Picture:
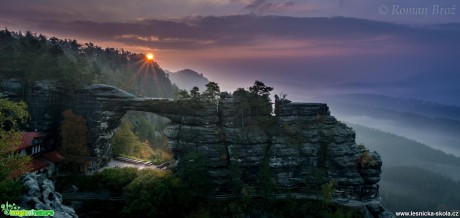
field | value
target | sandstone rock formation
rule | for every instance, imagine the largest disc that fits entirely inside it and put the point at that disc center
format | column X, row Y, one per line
column 301, row 145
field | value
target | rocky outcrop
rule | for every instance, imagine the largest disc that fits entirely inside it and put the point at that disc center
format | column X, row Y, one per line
column 301, row 147
column 41, row 195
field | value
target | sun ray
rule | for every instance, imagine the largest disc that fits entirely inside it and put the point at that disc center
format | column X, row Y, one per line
column 145, row 69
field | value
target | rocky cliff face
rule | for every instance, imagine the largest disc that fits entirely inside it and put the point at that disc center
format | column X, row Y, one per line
column 303, row 148
column 300, row 148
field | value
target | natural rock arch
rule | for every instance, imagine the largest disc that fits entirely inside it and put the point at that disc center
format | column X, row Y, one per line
column 322, row 143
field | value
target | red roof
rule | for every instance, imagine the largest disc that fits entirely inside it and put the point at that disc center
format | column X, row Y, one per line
column 54, row 156
column 38, row 165
column 27, row 138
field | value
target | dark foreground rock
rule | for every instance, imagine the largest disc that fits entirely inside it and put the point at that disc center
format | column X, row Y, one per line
column 41, row 195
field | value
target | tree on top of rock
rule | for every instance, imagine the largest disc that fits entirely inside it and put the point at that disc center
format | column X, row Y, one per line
column 212, row 92
column 260, row 98
column 182, row 95
column 261, row 90
column 195, row 93
column 242, row 96
column 256, row 102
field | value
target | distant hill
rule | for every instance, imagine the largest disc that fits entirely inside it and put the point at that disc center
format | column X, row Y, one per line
column 440, row 85
column 433, row 79
column 415, row 106
column 187, row 79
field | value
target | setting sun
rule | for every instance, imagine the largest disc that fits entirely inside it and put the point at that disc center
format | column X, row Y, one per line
column 149, row 56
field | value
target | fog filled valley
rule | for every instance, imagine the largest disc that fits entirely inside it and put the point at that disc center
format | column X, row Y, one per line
column 433, row 124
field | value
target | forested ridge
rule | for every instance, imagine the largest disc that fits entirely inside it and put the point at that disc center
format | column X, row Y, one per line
column 31, row 57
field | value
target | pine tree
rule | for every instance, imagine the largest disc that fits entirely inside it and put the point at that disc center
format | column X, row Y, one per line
column 212, row 92
column 183, row 95
column 242, row 96
column 195, row 93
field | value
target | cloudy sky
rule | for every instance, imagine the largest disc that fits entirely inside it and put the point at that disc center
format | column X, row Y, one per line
column 285, row 42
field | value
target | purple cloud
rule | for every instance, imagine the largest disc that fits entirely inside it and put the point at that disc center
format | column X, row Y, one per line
column 264, row 5
column 265, row 32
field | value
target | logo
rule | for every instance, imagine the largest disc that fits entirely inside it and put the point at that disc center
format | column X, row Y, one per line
column 14, row 210
column 383, row 9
